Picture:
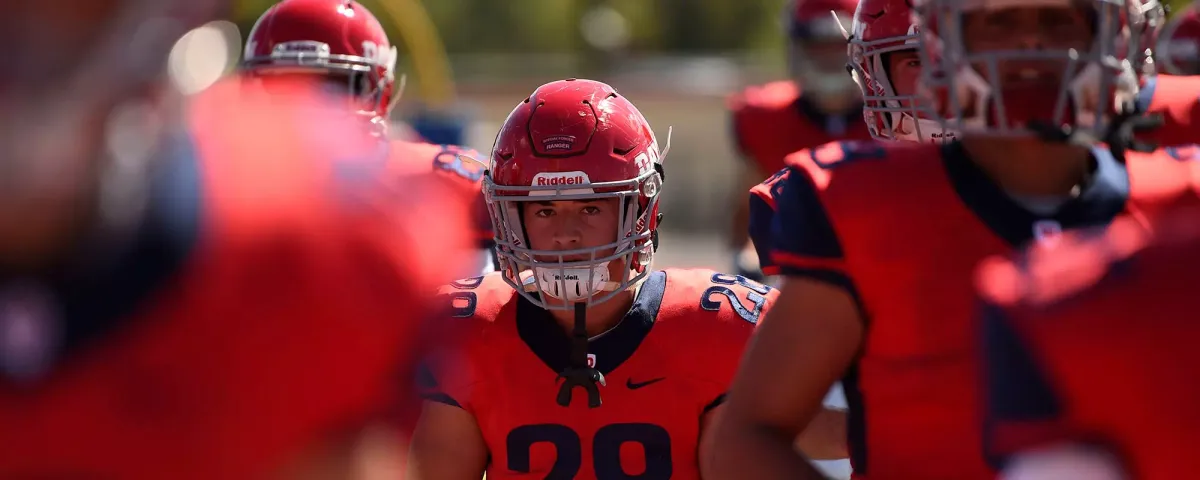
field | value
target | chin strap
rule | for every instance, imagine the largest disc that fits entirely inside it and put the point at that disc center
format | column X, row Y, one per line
column 579, row 374
column 1120, row 137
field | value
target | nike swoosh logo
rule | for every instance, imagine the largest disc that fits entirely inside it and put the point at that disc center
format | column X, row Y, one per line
column 634, row 386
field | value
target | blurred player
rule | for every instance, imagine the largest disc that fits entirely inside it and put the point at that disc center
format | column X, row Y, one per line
column 886, row 65
column 1086, row 342
column 208, row 297
column 343, row 45
column 1174, row 93
column 1178, row 49
column 818, row 105
column 642, row 356
column 1154, row 15
column 878, row 241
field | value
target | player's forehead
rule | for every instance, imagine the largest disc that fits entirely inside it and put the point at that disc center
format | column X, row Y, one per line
column 573, row 203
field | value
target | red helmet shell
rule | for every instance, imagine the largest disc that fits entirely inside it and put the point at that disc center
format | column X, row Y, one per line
column 574, row 126
column 570, row 140
column 1178, row 48
column 340, row 37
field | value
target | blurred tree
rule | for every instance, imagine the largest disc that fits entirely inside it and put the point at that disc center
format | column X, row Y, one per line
column 1176, row 5
column 552, row 26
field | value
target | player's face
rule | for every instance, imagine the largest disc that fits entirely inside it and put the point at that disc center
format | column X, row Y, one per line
column 1027, row 29
column 820, row 67
column 904, row 69
column 335, row 84
column 571, row 225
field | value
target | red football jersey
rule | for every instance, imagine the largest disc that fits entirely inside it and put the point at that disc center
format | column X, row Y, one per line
column 268, row 301
column 1177, row 99
column 1091, row 342
column 463, row 169
column 666, row 365
column 773, row 120
column 902, row 227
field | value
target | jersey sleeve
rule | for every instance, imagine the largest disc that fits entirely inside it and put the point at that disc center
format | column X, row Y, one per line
column 1022, row 409
column 1177, row 100
column 729, row 335
column 763, row 205
column 803, row 240
column 446, row 374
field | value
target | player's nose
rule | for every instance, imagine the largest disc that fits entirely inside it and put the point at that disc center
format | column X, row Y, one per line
column 567, row 238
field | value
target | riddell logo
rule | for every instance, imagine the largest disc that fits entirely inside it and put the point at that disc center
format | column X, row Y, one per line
column 560, row 178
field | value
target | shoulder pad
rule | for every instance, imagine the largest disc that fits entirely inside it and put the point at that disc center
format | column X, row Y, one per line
column 706, row 294
column 1049, row 272
column 877, row 159
column 458, row 163
column 479, row 298
column 770, row 96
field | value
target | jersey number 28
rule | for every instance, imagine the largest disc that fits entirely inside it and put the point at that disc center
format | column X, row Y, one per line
column 606, row 450
column 756, row 296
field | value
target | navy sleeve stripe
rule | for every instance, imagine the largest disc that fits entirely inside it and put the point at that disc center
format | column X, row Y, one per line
column 720, row 400
column 442, row 398
column 1022, row 407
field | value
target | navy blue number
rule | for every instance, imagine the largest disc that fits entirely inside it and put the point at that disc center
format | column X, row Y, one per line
column 568, row 450
column 606, row 450
column 756, row 295
column 467, row 283
column 462, row 304
column 655, row 441
column 1183, row 153
column 450, row 159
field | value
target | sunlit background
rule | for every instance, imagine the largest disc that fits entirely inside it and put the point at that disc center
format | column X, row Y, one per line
column 468, row 62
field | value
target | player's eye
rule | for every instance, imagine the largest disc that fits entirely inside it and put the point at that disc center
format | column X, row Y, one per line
column 543, row 212
column 591, row 210
column 913, row 63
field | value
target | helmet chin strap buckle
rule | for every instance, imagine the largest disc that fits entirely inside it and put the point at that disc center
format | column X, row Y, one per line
column 579, row 374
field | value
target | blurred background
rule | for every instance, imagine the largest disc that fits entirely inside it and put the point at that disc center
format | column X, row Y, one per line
column 468, row 62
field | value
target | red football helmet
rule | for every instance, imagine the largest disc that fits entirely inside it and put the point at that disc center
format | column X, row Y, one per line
column 575, row 140
column 880, row 28
column 338, row 39
column 816, row 50
column 1178, row 49
column 970, row 90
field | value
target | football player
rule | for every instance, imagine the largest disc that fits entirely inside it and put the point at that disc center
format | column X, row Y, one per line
column 642, row 356
column 343, row 45
column 878, row 241
column 819, row 104
column 1085, row 340
column 192, row 290
column 1172, row 93
column 1177, row 51
column 885, row 64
